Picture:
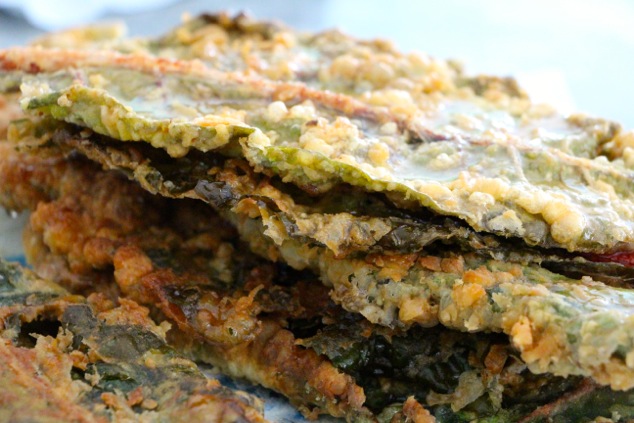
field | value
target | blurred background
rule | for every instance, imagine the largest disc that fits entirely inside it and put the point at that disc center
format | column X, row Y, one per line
column 576, row 55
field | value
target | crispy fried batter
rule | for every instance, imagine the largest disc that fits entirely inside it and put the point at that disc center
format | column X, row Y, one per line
column 28, row 179
column 365, row 115
column 319, row 139
column 68, row 358
column 453, row 288
column 237, row 323
column 274, row 360
column 169, row 258
column 9, row 110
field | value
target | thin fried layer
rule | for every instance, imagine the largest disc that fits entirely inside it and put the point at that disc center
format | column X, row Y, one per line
column 93, row 232
column 68, row 358
column 547, row 315
column 348, row 223
column 227, row 329
column 560, row 325
column 464, row 377
column 329, row 60
column 467, row 375
column 511, row 182
column 183, row 265
column 372, row 69
column 222, row 328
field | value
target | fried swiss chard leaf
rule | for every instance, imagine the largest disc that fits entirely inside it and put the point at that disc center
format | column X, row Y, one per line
column 561, row 325
column 327, row 60
column 68, row 358
column 461, row 377
column 457, row 376
column 181, row 261
column 347, row 222
column 516, row 185
column 243, row 45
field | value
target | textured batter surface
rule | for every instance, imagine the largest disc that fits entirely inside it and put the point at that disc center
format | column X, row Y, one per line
column 70, row 358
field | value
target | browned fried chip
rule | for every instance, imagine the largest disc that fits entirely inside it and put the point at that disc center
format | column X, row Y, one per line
column 65, row 357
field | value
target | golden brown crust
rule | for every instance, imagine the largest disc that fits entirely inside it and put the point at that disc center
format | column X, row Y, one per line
column 38, row 384
column 69, row 358
column 414, row 412
column 106, row 224
column 85, row 238
column 23, row 186
column 37, row 59
column 34, row 60
column 274, row 360
column 9, row 110
column 217, row 317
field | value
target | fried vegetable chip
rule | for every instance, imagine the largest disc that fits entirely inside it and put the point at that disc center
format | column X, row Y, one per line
column 283, row 128
column 547, row 315
column 415, row 244
column 70, row 358
column 463, row 377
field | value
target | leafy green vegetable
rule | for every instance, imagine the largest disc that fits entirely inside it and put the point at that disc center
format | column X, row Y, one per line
column 547, row 315
column 429, row 363
column 423, row 164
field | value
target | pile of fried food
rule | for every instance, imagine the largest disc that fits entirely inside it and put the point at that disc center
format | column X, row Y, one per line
column 374, row 235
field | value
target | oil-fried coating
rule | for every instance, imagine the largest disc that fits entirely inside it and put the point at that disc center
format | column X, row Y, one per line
column 546, row 314
column 329, row 60
column 184, row 266
column 222, row 328
column 318, row 139
column 139, row 277
column 98, row 222
column 360, row 351
column 170, row 272
column 68, row 358
column 347, row 222
column 463, row 377
column 9, row 110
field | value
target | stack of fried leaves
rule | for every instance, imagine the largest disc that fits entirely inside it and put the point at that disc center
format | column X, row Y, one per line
column 374, row 235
